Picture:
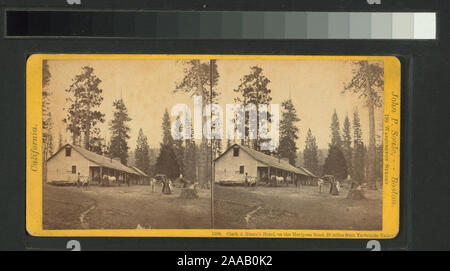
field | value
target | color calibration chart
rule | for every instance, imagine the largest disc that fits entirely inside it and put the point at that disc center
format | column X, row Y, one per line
column 222, row 25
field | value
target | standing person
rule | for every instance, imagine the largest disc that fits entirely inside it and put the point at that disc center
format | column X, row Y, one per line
column 166, row 187
column 78, row 180
column 333, row 189
column 246, row 179
column 183, row 181
column 320, row 184
column 152, row 184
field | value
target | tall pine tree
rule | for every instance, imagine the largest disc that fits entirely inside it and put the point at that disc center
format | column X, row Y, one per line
column 254, row 89
column 119, row 132
column 335, row 162
column 288, row 132
column 189, row 157
column 311, row 154
column 336, row 139
column 60, row 140
column 47, row 122
column 142, row 153
column 96, row 141
column 359, row 155
column 82, row 116
column 179, row 148
column 347, row 144
column 190, row 160
column 367, row 82
column 166, row 162
column 201, row 79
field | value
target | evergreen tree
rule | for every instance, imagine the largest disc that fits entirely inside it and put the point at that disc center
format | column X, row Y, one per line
column 288, row 132
column 167, row 134
column 209, row 163
column 46, row 115
column 119, row 132
column 336, row 139
column 190, row 158
column 60, row 140
column 216, row 142
column 179, row 149
column 50, row 143
column 142, row 153
column 347, row 144
column 335, row 163
column 201, row 79
column 167, row 161
column 359, row 151
column 96, row 142
column 310, row 154
column 216, row 148
column 47, row 121
column 153, row 155
column 254, row 89
column 81, row 114
column 367, row 82
column 379, row 163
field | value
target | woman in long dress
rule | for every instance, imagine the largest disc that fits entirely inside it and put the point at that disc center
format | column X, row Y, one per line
column 166, row 187
column 333, row 188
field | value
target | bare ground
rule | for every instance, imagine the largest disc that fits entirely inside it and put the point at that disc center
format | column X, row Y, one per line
column 235, row 207
column 294, row 208
column 94, row 207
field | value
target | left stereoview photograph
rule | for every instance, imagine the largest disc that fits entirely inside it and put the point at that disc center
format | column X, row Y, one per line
column 109, row 158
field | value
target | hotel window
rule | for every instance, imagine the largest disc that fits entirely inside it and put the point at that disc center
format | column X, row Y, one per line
column 241, row 170
column 236, row 152
column 74, row 169
column 68, row 151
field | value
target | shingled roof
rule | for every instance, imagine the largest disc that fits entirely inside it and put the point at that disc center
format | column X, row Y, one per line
column 270, row 160
column 309, row 172
column 139, row 171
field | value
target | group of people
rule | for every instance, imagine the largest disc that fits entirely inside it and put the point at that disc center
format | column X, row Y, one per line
column 167, row 187
column 335, row 186
column 189, row 190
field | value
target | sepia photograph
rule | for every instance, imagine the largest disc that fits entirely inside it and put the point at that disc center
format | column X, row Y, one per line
column 248, row 143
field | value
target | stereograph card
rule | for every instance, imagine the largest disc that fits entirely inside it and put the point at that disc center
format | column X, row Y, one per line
column 254, row 146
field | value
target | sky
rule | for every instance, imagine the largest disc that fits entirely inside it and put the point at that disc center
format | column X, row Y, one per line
column 146, row 86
